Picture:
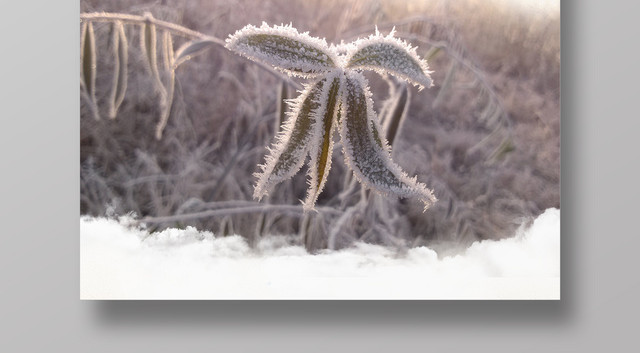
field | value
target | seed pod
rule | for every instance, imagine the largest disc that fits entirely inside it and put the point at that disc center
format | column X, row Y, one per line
column 89, row 66
column 166, row 104
column 149, row 50
column 121, row 59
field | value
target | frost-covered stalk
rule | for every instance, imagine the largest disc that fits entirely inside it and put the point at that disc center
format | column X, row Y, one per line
column 337, row 99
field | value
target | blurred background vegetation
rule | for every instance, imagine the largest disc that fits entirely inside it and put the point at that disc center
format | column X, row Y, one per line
column 486, row 137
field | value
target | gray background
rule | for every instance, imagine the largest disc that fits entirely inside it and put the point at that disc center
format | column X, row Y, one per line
column 40, row 246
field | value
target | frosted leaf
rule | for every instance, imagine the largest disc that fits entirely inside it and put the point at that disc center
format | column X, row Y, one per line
column 292, row 143
column 366, row 151
column 391, row 55
column 284, row 48
column 322, row 141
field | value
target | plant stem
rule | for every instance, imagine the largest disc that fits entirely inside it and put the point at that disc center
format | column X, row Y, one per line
column 231, row 211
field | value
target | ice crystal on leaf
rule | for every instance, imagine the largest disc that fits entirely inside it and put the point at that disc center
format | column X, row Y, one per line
column 337, row 99
column 292, row 144
column 366, row 152
column 284, row 48
column 389, row 55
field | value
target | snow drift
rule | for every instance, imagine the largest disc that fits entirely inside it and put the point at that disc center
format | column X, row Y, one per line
column 118, row 262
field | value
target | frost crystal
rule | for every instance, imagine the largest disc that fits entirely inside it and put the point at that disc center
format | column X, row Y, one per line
column 338, row 99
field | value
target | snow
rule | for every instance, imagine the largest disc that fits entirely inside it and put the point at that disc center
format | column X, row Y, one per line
column 120, row 262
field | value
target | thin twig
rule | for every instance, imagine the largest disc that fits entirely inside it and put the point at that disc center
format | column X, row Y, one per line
column 134, row 19
column 297, row 209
